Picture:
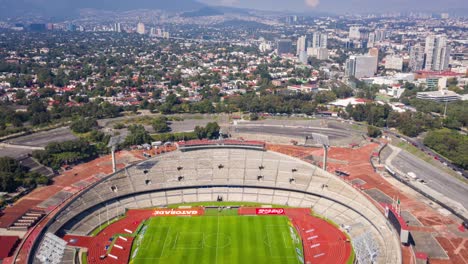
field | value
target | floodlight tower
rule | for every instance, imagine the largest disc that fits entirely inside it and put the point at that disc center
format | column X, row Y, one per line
column 322, row 140
column 113, row 142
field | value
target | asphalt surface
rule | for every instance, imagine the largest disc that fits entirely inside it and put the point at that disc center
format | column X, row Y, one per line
column 291, row 131
column 41, row 139
column 435, row 178
column 430, row 152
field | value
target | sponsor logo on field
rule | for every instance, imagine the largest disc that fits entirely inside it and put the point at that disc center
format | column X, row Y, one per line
column 269, row 211
column 176, row 212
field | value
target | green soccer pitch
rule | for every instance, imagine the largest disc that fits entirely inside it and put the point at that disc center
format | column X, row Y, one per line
column 217, row 240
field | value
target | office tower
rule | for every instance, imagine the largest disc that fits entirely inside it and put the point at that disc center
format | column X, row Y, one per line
column 361, row 66
column 374, row 52
column 354, row 32
column 301, row 45
column 303, row 57
column 380, row 35
column 371, row 40
column 444, row 15
column 141, row 28
column 416, row 62
column 436, row 53
column 117, row 27
column 319, row 40
column 284, row 46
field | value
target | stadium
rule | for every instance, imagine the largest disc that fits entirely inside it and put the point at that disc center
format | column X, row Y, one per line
column 218, row 202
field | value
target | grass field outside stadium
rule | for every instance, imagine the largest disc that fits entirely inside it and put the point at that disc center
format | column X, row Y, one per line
column 217, row 238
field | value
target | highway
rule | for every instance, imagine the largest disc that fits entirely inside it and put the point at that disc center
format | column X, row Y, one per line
column 433, row 177
column 430, row 152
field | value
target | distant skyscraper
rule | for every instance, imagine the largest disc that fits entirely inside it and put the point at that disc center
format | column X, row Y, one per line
column 444, row 15
column 117, row 27
column 141, row 28
column 361, row 66
column 303, row 57
column 374, row 52
column 301, row 45
column 416, row 62
column 371, row 40
column 284, row 46
column 436, row 53
column 354, row 32
column 380, row 35
column 319, row 40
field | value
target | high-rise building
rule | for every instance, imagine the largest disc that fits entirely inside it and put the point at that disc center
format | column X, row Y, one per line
column 303, row 57
column 374, row 52
column 301, row 45
column 436, row 53
column 283, row 46
column 141, row 28
column 319, row 40
column 354, row 32
column 444, row 15
column 117, row 27
column 380, row 35
column 371, row 40
column 319, row 53
column 361, row 66
column 416, row 61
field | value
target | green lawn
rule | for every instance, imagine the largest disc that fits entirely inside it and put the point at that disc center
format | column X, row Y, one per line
column 217, row 240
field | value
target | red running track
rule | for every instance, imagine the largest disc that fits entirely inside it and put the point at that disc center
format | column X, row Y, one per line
column 322, row 242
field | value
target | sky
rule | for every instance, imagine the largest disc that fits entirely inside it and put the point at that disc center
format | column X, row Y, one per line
column 344, row 6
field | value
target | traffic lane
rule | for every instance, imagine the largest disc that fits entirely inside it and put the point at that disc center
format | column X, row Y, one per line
column 290, row 131
column 435, row 178
column 426, row 149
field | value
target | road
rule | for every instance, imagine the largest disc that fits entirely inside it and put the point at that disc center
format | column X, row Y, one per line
column 430, row 152
column 435, row 178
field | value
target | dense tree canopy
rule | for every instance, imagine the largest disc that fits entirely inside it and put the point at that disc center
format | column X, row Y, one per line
column 57, row 154
column 13, row 175
column 450, row 144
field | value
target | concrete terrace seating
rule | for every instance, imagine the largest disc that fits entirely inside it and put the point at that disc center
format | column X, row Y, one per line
column 176, row 177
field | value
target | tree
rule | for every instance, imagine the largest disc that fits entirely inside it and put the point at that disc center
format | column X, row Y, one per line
column 212, row 130
column 138, row 136
column 160, row 125
column 253, row 117
column 373, row 131
column 83, row 125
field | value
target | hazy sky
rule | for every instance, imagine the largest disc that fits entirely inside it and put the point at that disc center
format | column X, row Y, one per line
column 342, row 6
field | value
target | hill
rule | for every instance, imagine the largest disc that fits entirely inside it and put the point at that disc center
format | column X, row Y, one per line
column 69, row 8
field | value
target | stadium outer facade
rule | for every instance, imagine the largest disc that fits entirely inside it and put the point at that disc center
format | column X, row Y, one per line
column 230, row 171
